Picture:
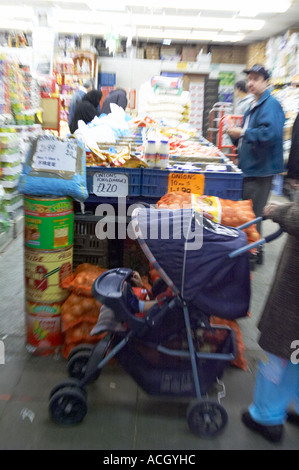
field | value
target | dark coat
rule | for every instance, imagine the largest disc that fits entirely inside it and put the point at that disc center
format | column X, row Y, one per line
column 86, row 109
column 118, row 97
column 293, row 162
column 279, row 324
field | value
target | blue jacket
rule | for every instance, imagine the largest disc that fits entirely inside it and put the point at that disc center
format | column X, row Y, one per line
column 261, row 151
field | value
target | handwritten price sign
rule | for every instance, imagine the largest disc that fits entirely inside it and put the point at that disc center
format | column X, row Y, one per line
column 54, row 155
column 110, row 185
column 186, row 182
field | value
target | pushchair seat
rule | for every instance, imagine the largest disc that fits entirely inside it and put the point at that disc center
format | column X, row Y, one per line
column 111, row 288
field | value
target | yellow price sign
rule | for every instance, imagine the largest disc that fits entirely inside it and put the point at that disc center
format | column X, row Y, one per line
column 186, row 182
column 181, row 65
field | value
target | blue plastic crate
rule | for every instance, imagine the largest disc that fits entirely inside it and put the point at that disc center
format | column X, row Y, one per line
column 107, row 79
column 226, row 185
column 155, row 181
column 134, row 180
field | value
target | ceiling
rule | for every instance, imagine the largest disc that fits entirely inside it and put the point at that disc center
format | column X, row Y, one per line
column 213, row 21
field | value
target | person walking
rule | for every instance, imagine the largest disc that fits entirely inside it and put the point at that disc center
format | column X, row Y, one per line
column 277, row 382
column 86, row 109
column 293, row 161
column 260, row 140
column 77, row 96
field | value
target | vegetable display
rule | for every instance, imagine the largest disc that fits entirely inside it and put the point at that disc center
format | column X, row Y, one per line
column 224, row 211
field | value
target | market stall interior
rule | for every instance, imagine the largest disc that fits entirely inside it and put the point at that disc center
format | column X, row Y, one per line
column 124, row 193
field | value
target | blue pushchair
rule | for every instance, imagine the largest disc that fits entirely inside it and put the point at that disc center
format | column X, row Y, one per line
column 173, row 350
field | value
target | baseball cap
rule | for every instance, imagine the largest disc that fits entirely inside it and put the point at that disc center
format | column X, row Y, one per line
column 256, row 68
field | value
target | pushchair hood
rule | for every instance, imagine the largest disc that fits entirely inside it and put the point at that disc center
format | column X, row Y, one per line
column 191, row 253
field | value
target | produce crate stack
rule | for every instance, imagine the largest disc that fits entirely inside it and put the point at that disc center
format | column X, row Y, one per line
column 48, row 261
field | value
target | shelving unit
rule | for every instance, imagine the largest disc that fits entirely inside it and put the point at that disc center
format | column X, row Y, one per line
column 70, row 72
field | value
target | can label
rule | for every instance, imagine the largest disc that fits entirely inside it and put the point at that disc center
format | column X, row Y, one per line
column 43, row 334
column 44, row 310
column 49, row 223
column 44, row 274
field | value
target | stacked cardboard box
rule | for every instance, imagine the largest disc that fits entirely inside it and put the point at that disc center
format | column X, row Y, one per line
column 152, row 52
column 256, row 54
column 170, row 53
column 239, row 54
column 140, row 53
column 189, row 54
column 221, row 55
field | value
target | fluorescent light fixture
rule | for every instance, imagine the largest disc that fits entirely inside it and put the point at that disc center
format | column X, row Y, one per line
column 229, row 37
column 162, row 21
column 13, row 12
column 112, row 5
column 176, row 34
column 266, row 6
column 198, row 22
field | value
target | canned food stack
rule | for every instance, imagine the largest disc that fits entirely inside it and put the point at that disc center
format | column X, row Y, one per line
column 48, row 261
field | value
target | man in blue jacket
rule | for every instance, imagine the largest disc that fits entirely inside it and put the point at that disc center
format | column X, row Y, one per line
column 260, row 140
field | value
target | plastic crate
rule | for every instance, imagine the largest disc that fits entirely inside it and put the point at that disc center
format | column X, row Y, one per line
column 87, row 248
column 107, row 79
column 226, row 185
column 155, row 181
column 134, row 180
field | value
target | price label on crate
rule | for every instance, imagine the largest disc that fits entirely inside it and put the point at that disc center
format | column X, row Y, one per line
column 54, row 155
column 186, row 182
column 110, row 185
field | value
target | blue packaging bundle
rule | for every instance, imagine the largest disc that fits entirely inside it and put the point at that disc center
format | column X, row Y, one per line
column 55, row 167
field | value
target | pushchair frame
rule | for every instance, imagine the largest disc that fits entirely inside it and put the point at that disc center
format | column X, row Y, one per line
column 205, row 418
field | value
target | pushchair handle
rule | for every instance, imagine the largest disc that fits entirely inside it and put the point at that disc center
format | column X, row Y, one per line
column 262, row 241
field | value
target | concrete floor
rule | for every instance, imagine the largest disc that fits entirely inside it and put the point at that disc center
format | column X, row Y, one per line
column 120, row 415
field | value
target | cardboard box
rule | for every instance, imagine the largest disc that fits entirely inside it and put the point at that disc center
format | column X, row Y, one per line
column 256, row 54
column 189, row 54
column 140, row 53
column 152, row 52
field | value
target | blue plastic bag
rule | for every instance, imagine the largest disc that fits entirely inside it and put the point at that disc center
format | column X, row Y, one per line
column 55, row 167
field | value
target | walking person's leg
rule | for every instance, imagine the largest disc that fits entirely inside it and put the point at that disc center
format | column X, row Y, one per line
column 276, row 387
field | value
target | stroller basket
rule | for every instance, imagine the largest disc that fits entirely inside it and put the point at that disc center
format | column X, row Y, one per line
column 164, row 371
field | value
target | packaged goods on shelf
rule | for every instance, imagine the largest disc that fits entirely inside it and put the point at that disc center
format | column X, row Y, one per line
column 19, row 92
column 163, row 98
column 5, row 221
column 282, row 57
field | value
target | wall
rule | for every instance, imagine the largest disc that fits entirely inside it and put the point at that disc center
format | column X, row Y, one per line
column 132, row 73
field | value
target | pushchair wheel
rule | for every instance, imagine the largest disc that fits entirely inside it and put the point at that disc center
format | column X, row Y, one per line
column 84, row 347
column 85, row 362
column 206, row 418
column 69, row 383
column 78, row 363
column 68, row 405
